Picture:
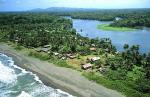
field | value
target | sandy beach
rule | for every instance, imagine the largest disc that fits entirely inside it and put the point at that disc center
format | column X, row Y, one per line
column 66, row 79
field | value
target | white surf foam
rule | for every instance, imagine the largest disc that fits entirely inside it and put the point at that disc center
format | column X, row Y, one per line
column 62, row 92
column 23, row 71
column 37, row 78
column 24, row 94
column 7, row 75
column 46, row 91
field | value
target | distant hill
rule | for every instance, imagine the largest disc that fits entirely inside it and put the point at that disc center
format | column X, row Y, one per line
column 62, row 9
column 65, row 9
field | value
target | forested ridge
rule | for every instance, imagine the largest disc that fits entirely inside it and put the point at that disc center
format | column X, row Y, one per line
column 133, row 18
column 128, row 71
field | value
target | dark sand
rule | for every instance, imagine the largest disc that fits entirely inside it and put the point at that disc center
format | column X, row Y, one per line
column 68, row 80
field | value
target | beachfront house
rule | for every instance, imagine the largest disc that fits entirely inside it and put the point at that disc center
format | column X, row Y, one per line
column 71, row 56
column 46, row 50
column 47, row 46
column 103, row 69
column 93, row 59
column 55, row 53
column 86, row 66
column 93, row 49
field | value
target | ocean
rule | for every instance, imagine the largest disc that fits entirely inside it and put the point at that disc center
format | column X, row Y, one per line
column 17, row 82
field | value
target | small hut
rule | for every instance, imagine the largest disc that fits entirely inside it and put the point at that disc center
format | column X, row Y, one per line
column 47, row 46
column 93, row 45
column 103, row 69
column 92, row 49
column 93, row 59
column 71, row 56
column 55, row 53
column 86, row 66
column 38, row 49
column 46, row 50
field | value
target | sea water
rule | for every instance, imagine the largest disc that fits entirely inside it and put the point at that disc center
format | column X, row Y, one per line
column 17, row 82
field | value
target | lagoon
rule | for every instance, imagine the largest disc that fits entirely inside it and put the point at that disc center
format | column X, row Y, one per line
column 88, row 28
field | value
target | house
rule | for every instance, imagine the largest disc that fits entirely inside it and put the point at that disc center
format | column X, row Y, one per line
column 93, row 45
column 47, row 31
column 55, row 53
column 16, row 40
column 117, row 52
column 92, row 49
column 107, row 50
column 103, row 69
column 49, row 52
column 71, row 56
column 38, row 49
column 93, row 59
column 86, row 66
column 68, row 55
column 63, row 58
column 47, row 46
column 45, row 50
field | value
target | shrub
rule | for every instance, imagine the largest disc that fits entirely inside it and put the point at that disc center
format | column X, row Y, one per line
column 119, row 85
column 18, row 47
column 41, row 56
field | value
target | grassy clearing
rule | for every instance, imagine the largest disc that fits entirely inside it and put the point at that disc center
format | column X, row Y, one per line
column 74, row 62
column 41, row 56
column 107, row 27
column 78, row 61
column 83, row 60
column 119, row 85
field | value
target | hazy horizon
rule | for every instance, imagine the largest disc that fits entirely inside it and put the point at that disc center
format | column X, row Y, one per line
column 23, row 5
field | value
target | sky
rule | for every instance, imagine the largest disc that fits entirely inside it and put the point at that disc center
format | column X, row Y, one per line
column 22, row 5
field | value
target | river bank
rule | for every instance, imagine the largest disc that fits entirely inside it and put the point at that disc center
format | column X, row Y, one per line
column 65, row 79
column 107, row 27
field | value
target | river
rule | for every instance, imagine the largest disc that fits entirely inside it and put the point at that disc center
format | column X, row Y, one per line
column 138, row 37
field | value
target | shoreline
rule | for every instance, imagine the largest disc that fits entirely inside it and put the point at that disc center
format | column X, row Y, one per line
column 43, row 78
column 65, row 79
column 46, row 81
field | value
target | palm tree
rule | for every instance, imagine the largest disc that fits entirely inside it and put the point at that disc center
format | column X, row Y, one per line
column 126, row 46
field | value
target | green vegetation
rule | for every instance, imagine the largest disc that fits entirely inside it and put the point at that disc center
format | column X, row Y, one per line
column 41, row 56
column 127, row 71
column 111, row 28
column 18, row 47
column 132, row 18
column 120, row 85
column 36, row 30
column 51, row 59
